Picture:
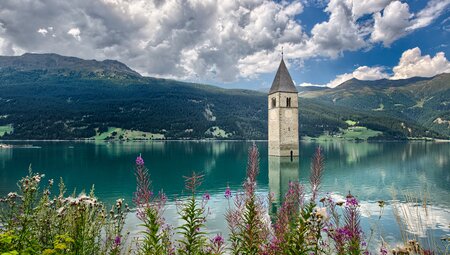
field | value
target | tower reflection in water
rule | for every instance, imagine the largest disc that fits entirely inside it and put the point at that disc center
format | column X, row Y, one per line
column 282, row 170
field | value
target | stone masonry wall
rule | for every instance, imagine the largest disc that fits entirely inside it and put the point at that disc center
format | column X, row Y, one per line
column 283, row 125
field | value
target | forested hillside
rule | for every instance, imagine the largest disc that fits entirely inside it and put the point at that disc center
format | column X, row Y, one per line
column 47, row 96
column 423, row 102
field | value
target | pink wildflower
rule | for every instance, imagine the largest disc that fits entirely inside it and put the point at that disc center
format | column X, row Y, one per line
column 351, row 201
column 288, row 212
column 117, row 241
column 228, row 192
column 143, row 194
column 218, row 240
column 316, row 172
column 139, row 161
column 252, row 170
column 192, row 182
column 383, row 250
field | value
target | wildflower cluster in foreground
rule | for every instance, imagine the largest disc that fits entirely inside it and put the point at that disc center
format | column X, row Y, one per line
column 36, row 222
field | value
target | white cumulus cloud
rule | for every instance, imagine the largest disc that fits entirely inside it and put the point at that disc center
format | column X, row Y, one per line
column 75, row 32
column 362, row 7
column 366, row 73
column 220, row 40
column 210, row 39
column 339, row 33
column 395, row 21
column 392, row 23
column 42, row 31
column 413, row 64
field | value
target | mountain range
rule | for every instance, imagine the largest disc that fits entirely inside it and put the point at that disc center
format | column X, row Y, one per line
column 48, row 96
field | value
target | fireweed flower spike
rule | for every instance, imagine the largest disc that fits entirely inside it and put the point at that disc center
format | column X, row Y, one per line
column 228, row 192
column 247, row 222
column 352, row 224
column 383, row 249
column 288, row 212
column 216, row 246
column 348, row 239
column 156, row 236
column 143, row 194
column 315, row 178
column 117, row 241
column 351, row 200
column 193, row 182
column 139, row 161
column 218, row 239
column 252, row 170
column 193, row 214
column 305, row 232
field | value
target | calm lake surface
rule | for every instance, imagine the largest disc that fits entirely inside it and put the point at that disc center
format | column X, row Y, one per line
column 371, row 171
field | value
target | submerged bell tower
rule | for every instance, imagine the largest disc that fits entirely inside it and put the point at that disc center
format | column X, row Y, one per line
column 283, row 115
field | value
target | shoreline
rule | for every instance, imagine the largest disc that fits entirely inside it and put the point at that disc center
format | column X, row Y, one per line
column 308, row 139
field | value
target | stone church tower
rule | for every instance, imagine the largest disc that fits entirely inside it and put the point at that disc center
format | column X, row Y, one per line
column 283, row 115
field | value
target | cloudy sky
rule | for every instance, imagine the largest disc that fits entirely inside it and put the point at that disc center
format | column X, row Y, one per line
column 234, row 43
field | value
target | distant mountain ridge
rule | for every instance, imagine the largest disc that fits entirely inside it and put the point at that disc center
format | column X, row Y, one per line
column 424, row 101
column 48, row 96
column 57, row 64
column 381, row 83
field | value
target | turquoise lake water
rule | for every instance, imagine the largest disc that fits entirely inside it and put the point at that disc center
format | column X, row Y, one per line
column 371, row 171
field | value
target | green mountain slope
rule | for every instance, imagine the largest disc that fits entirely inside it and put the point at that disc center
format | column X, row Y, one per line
column 47, row 96
column 76, row 98
column 424, row 102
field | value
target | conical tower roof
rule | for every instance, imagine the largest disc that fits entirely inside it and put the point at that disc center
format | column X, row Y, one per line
column 283, row 81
